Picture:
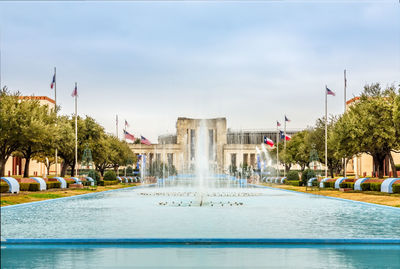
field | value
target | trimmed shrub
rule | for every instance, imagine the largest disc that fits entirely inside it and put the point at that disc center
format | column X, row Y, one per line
column 347, row 185
column 29, row 186
column 366, row 186
column 396, row 188
column 306, row 175
column 293, row 182
column 4, row 187
column 94, row 174
column 53, row 185
column 107, row 182
column 293, row 175
column 110, row 176
column 376, row 186
column 329, row 184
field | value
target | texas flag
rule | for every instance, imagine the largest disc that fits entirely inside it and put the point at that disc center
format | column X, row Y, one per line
column 268, row 141
column 287, row 137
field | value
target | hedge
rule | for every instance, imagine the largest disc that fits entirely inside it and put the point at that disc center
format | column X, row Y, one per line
column 396, row 188
column 107, row 182
column 110, row 176
column 94, row 174
column 29, row 186
column 4, row 187
column 53, row 185
column 293, row 182
column 293, row 175
column 329, row 184
column 347, row 185
column 376, row 186
column 69, row 182
column 366, row 186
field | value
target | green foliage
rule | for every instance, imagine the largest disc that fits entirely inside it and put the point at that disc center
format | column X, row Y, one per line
column 29, row 186
column 129, row 171
column 94, row 174
column 306, row 175
column 329, row 184
column 293, row 182
column 366, row 186
column 108, row 182
column 347, row 185
column 110, row 176
column 45, row 195
column 396, row 188
column 4, row 187
column 376, row 186
column 293, row 175
column 53, row 184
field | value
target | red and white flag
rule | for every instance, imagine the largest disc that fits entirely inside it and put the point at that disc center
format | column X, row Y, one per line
column 268, row 141
column 75, row 91
column 143, row 140
column 129, row 136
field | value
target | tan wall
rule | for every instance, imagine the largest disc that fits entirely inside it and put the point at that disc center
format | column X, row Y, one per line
column 363, row 164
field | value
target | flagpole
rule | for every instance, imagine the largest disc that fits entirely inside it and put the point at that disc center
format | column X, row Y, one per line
column 116, row 124
column 326, row 132
column 345, row 89
column 284, row 141
column 277, row 150
column 76, row 130
column 55, row 103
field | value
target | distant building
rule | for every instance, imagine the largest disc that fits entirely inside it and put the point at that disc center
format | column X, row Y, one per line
column 225, row 146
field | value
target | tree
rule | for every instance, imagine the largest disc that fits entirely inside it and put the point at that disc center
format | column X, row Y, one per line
column 371, row 126
column 65, row 142
column 11, row 118
column 37, row 131
column 298, row 149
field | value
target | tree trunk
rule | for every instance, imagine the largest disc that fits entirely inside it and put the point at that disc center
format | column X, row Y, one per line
column 378, row 164
column 392, row 164
column 26, row 170
column 63, row 169
column 3, row 166
column 73, row 169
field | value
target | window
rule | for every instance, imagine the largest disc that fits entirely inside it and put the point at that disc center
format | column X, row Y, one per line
column 211, row 144
column 233, row 159
column 192, row 144
column 170, row 157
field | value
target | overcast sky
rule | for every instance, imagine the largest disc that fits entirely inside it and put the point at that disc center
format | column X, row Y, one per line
column 151, row 62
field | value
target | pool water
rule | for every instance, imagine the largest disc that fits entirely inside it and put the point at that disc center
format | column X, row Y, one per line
column 174, row 212
column 120, row 256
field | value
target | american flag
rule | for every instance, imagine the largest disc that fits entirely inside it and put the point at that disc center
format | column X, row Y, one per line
column 278, row 123
column 75, row 91
column 126, row 124
column 286, row 119
column 53, row 81
column 329, row 92
column 129, row 136
column 143, row 140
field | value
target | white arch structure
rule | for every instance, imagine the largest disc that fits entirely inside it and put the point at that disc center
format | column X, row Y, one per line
column 41, row 182
column 387, row 184
column 310, row 181
column 321, row 184
column 338, row 181
column 283, row 180
column 77, row 180
column 357, row 184
column 62, row 181
column 91, row 180
column 13, row 185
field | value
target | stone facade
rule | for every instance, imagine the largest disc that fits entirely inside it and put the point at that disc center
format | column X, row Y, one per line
column 225, row 147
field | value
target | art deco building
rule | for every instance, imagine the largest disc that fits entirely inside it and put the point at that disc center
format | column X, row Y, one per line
column 224, row 146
